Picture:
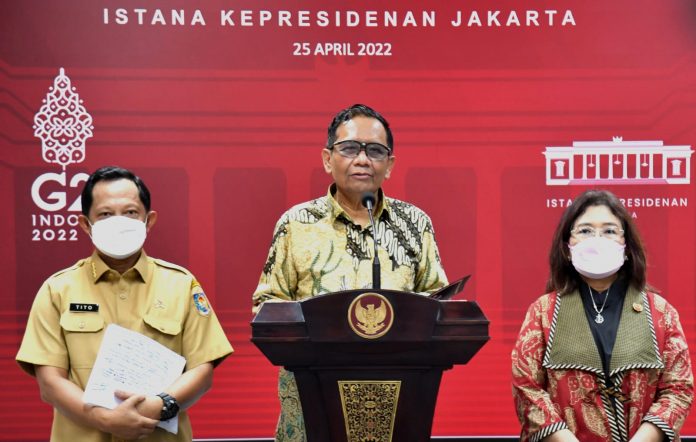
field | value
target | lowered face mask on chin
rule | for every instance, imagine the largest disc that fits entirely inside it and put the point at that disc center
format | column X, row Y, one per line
column 119, row 236
column 597, row 257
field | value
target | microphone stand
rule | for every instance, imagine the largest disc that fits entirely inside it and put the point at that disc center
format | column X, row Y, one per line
column 368, row 200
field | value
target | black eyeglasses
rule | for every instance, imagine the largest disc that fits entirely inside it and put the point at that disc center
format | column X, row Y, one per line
column 352, row 148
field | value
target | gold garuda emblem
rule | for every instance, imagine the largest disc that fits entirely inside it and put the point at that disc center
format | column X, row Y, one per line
column 370, row 315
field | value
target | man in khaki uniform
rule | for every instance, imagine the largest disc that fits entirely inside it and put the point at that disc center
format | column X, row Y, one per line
column 119, row 284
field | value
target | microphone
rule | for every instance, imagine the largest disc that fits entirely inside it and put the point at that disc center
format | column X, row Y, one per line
column 368, row 200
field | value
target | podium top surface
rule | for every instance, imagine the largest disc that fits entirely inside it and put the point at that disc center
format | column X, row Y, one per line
column 377, row 324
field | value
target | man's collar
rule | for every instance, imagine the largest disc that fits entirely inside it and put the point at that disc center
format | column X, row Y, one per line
column 336, row 210
column 98, row 267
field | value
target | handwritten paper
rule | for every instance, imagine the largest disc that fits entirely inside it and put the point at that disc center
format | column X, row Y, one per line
column 132, row 362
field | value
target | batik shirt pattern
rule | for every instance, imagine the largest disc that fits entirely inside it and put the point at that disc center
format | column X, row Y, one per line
column 317, row 249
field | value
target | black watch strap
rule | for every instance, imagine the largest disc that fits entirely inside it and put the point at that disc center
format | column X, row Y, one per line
column 170, row 407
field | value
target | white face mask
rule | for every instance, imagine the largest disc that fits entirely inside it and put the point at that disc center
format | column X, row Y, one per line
column 119, row 236
column 597, row 257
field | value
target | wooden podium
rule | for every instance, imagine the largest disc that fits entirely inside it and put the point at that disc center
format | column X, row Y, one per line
column 368, row 363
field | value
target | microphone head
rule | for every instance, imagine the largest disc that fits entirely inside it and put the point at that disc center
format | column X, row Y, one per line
column 368, row 199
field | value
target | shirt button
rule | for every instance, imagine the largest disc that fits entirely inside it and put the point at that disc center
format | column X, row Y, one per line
column 122, row 296
column 82, row 324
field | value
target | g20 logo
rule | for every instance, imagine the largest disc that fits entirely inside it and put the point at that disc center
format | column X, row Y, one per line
column 54, row 201
column 54, row 193
column 63, row 126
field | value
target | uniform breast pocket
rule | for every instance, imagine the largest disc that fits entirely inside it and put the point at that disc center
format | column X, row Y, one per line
column 83, row 335
column 167, row 331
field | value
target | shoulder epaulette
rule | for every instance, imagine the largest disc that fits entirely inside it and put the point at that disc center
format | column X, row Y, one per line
column 75, row 266
column 169, row 265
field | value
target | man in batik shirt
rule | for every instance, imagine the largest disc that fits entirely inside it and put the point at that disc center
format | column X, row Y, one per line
column 326, row 245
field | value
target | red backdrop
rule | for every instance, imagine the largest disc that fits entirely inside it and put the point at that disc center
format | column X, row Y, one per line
column 225, row 125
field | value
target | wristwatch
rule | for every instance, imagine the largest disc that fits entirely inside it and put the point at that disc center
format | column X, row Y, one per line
column 170, row 407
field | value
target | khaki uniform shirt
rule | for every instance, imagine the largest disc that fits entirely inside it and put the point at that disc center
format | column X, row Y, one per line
column 317, row 249
column 157, row 299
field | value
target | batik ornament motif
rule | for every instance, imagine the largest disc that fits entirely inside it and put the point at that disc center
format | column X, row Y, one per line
column 63, row 124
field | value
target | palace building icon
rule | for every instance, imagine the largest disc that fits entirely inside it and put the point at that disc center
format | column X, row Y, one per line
column 617, row 162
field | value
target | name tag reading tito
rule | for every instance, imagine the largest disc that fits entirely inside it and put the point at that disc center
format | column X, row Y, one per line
column 79, row 307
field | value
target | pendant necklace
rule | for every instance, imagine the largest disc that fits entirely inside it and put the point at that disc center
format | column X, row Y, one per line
column 599, row 318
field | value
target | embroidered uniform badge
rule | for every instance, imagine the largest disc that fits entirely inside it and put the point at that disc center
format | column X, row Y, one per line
column 201, row 303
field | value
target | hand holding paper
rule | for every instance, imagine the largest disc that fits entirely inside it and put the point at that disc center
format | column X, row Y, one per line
column 134, row 363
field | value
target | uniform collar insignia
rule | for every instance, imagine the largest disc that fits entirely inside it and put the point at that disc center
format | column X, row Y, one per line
column 98, row 267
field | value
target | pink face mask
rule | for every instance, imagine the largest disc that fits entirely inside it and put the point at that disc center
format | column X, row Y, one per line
column 597, row 257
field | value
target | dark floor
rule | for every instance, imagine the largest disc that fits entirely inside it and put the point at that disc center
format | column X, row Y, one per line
column 434, row 439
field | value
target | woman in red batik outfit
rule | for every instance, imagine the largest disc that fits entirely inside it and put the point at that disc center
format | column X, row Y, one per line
column 600, row 357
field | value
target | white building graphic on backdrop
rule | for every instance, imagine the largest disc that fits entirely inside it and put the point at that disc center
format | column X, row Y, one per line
column 607, row 162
